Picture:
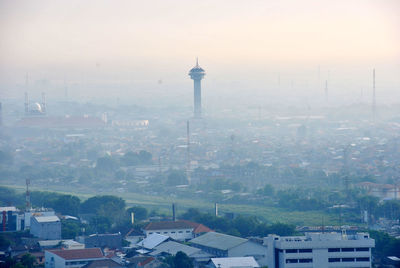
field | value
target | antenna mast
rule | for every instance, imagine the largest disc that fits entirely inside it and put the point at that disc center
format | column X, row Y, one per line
column 188, row 152
column 373, row 96
column 28, row 195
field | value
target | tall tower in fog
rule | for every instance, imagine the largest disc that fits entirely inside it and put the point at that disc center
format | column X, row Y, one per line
column 197, row 73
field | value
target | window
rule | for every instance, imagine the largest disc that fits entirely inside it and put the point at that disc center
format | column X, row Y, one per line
column 187, row 231
column 157, row 232
column 305, row 260
column 172, row 232
column 150, row 232
column 165, row 232
column 292, row 260
column 362, row 259
column 291, row 251
column 347, row 259
column 333, row 249
column 180, row 232
column 362, row 249
column 334, row 259
column 305, row 250
column 347, row 249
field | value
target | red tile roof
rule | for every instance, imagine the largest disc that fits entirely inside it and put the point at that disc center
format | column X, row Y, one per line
column 73, row 254
column 146, row 261
column 198, row 227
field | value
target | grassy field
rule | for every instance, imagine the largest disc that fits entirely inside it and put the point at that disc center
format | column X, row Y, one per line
column 162, row 204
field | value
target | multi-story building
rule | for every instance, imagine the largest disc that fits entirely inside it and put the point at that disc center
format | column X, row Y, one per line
column 319, row 250
column 46, row 227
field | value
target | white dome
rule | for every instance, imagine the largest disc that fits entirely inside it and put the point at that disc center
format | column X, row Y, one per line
column 36, row 107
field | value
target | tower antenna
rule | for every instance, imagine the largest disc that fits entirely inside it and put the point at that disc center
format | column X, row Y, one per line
column 373, row 96
column 188, row 152
column 326, row 90
column 28, row 195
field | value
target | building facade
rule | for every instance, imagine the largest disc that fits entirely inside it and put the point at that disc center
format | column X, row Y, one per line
column 319, row 250
column 46, row 227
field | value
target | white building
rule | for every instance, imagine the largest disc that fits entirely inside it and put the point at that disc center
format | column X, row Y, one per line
column 319, row 250
column 46, row 227
column 177, row 230
column 72, row 258
column 36, row 212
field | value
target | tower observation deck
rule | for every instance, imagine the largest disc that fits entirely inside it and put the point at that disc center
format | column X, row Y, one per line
column 197, row 73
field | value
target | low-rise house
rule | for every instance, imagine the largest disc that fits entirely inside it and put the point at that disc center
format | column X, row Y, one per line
column 103, row 240
column 46, row 227
column 72, row 258
column 248, row 262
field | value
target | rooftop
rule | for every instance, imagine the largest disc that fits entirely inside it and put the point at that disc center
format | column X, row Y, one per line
column 234, row 262
column 218, row 241
column 152, row 241
column 47, row 218
column 76, row 254
column 172, row 248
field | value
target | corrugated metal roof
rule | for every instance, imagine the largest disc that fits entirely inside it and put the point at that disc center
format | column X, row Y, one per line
column 152, row 241
column 235, row 262
column 172, row 248
column 47, row 218
column 218, row 241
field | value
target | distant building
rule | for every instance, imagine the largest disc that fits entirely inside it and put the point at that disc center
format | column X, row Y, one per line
column 103, row 240
column 10, row 219
column 319, row 250
column 382, row 191
column 36, row 212
column 222, row 245
column 75, row 258
column 46, row 227
column 178, row 230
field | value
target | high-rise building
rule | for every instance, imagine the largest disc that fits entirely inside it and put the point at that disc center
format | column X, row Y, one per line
column 197, row 73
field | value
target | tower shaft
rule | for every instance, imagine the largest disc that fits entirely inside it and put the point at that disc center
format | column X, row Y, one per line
column 197, row 98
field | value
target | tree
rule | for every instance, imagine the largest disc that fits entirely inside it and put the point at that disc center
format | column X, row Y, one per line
column 177, row 177
column 69, row 229
column 268, row 190
column 130, row 159
column 67, row 205
column 106, row 164
column 145, row 157
column 180, row 260
column 140, row 213
column 28, row 260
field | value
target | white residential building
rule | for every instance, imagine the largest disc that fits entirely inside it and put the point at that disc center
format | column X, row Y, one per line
column 319, row 250
column 46, row 227
column 71, row 258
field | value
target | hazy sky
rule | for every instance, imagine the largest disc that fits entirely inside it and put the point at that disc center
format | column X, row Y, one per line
column 249, row 42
